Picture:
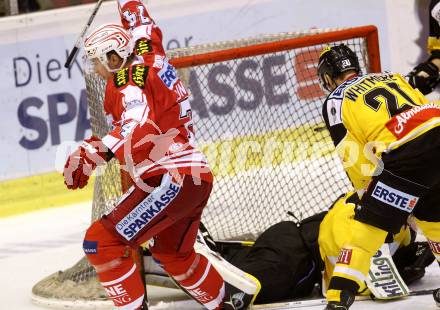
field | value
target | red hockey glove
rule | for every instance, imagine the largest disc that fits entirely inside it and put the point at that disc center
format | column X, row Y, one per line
column 81, row 163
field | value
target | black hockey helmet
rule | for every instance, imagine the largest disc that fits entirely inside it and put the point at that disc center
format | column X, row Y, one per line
column 335, row 60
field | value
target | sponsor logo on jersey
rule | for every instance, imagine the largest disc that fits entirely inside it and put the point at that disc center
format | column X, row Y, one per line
column 344, row 256
column 403, row 123
column 118, row 294
column 143, row 47
column 334, row 111
column 158, row 61
column 121, row 77
column 200, row 295
column 147, row 210
column 435, row 247
column 139, row 75
column 90, row 247
column 168, row 75
column 393, row 197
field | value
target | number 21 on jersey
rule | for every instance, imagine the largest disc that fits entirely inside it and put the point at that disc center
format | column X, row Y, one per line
column 387, row 95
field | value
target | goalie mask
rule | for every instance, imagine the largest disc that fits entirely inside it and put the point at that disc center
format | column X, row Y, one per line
column 107, row 38
column 335, row 60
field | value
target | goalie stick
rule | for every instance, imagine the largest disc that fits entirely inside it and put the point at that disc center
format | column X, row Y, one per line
column 322, row 302
column 75, row 48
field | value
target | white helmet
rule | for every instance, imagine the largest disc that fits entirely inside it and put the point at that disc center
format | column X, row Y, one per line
column 106, row 38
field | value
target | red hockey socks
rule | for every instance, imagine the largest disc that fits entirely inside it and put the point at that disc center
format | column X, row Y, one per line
column 198, row 277
column 116, row 268
column 125, row 289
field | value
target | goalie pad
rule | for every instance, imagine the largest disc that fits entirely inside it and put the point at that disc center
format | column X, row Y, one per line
column 241, row 288
column 231, row 274
column 384, row 280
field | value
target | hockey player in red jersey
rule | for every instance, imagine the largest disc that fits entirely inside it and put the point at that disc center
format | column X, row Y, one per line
column 153, row 139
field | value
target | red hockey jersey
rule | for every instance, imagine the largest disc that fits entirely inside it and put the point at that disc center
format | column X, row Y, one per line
column 149, row 108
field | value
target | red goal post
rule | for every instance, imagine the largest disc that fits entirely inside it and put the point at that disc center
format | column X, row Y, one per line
column 370, row 33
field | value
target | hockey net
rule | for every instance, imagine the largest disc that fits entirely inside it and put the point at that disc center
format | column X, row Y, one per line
column 257, row 112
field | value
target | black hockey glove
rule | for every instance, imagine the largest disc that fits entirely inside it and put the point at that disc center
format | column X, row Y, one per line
column 417, row 77
column 412, row 260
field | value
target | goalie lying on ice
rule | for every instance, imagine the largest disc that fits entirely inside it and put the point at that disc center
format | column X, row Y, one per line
column 290, row 259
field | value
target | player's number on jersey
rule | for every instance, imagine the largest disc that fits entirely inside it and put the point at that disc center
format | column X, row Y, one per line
column 379, row 95
column 132, row 18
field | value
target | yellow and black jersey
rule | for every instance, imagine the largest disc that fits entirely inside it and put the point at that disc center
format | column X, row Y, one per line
column 369, row 114
column 335, row 231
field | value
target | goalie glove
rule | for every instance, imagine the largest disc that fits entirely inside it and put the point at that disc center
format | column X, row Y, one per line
column 425, row 77
column 81, row 163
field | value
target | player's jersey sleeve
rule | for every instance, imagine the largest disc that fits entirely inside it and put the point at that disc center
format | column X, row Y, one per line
column 133, row 14
column 146, row 34
column 434, row 29
column 348, row 147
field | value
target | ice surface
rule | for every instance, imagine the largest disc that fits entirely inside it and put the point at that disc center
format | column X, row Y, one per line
column 34, row 245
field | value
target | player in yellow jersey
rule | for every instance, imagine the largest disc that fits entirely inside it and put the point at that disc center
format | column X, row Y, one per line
column 388, row 137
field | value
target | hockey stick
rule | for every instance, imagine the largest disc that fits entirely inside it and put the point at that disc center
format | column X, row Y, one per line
column 322, row 302
column 75, row 48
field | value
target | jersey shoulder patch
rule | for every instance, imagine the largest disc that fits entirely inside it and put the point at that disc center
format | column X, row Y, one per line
column 332, row 111
column 121, row 78
column 143, row 46
column 139, row 75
